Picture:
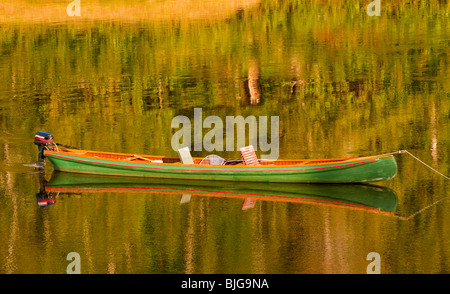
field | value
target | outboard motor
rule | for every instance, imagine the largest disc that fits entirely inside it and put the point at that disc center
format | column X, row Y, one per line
column 44, row 141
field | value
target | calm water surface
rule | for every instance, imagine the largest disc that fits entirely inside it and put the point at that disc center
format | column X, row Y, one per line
column 342, row 83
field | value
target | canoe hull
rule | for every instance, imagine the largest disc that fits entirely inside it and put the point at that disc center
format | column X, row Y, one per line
column 360, row 170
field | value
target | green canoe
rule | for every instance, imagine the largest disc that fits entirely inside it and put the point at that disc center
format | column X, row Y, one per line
column 343, row 170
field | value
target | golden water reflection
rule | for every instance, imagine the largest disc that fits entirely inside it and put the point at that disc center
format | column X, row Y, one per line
column 343, row 84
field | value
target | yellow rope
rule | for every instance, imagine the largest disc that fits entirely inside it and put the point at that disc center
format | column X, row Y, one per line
column 428, row 206
column 406, row 151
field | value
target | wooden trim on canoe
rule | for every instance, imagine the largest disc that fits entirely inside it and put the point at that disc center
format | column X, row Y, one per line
column 175, row 161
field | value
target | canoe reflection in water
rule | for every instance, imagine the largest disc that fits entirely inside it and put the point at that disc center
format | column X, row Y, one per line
column 353, row 196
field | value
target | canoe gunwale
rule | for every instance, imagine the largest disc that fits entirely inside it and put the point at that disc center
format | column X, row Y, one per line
column 266, row 164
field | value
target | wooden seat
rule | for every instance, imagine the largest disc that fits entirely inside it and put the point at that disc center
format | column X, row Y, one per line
column 137, row 157
column 249, row 156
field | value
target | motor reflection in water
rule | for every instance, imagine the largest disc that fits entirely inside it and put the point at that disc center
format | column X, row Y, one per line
column 45, row 198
